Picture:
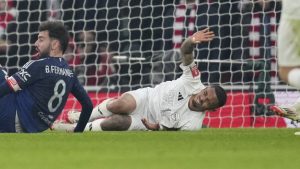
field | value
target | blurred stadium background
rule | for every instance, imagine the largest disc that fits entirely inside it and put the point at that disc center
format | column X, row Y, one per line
column 121, row 45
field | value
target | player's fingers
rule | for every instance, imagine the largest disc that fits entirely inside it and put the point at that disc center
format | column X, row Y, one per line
column 145, row 122
column 207, row 39
column 199, row 33
column 205, row 30
column 209, row 34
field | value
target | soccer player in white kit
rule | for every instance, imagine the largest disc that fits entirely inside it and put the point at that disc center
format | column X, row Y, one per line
column 173, row 105
column 289, row 54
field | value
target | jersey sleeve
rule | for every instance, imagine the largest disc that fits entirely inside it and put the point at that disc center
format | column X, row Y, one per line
column 190, row 72
column 27, row 75
column 86, row 104
column 191, row 78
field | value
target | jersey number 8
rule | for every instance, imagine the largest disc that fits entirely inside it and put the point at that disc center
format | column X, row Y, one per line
column 58, row 95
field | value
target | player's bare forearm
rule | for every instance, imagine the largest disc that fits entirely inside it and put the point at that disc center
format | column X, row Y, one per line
column 189, row 44
column 150, row 126
column 186, row 50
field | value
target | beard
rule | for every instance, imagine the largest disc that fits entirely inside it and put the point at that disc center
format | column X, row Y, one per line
column 45, row 53
column 197, row 106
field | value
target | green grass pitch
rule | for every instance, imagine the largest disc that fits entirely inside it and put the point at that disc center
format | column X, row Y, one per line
column 206, row 149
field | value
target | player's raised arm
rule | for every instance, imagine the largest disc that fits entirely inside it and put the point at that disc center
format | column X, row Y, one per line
column 188, row 45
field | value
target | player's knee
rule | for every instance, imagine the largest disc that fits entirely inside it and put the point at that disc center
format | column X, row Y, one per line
column 123, row 105
column 116, row 123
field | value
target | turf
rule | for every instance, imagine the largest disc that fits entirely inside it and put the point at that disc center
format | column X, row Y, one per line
column 207, row 149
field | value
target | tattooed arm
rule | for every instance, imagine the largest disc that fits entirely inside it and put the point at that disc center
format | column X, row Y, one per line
column 189, row 44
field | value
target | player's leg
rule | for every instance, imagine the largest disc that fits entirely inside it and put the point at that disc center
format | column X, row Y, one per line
column 288, row 112
column 116, row 122
column 292, row 112
column 289, row 51
column 62, row 126
column 125, row 104
column 290, row 75
column 289, row 63
column 134, row 102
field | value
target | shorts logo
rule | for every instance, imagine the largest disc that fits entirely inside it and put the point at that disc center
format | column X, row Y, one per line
column 195, row 71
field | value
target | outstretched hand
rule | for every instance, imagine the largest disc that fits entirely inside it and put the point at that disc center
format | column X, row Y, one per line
column 150, row 126
column 202, row 36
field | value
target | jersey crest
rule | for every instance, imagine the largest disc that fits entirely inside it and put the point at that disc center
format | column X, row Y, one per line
column 195, row 71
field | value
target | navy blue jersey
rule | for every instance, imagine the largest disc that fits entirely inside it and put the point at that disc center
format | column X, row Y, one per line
column 42, row 88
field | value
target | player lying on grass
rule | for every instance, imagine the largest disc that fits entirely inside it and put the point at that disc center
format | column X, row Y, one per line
column 31, row 99
column 173, row 105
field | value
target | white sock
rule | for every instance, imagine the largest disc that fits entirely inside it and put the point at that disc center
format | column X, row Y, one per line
column 59, row 126
column 294, row 78
column 95, row 125
column 101, row 110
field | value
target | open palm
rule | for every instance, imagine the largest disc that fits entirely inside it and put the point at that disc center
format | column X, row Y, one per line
column 203, row 36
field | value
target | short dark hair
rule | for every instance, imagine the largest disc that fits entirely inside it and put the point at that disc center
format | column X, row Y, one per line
column 221, row 95
column 58, row 31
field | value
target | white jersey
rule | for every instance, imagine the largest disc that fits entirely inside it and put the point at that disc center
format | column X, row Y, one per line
column 167, row 103
column 290, row 9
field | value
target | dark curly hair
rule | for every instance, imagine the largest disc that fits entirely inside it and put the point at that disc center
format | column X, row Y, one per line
column 221, row 95
column 58, row 31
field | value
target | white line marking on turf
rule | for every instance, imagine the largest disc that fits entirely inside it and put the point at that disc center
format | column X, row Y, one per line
column 297, row 133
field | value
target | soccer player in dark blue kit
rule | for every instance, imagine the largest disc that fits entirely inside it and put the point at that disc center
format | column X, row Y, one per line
column 32, row 98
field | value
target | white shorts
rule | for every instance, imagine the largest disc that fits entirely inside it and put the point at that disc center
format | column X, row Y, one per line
column 289, row 42
column 141, row 111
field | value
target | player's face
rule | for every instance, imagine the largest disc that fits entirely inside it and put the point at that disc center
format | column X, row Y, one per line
column 206, row 99
column 43, row 44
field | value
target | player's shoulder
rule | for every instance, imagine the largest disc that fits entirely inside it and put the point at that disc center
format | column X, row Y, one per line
column 33, row 63
column 53, row 61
